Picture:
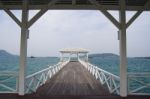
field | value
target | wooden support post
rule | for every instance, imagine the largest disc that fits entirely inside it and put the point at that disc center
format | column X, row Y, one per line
column 24, row 24
column 123, row 56
column 23, row 48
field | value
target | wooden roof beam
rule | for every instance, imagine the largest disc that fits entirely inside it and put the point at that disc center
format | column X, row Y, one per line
column 73, row 2
column 138, row 13
column 11, row 15
column 106, row 13
column 41, row 12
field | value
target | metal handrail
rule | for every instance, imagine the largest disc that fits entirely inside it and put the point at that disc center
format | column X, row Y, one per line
column 143, row 81
column 6, row 78
column 106, row 78
column 39, row 78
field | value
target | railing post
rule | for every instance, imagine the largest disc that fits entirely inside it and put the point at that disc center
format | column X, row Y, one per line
column 61, row 57
column 103, row 76
column 17, row 83
column 128, row 84
column 111, row 83
column 78, row 56
column 87, row 57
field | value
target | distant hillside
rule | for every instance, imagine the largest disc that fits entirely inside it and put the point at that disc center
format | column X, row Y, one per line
column 5, row 54
column 103, row 55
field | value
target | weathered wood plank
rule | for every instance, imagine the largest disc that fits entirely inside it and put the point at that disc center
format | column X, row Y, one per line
column 33, row 96
column 73, row 79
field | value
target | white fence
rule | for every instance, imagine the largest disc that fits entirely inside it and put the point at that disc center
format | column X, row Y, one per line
column 108, row 79
column 37, row 79
column 8, row 82
column 139, row 83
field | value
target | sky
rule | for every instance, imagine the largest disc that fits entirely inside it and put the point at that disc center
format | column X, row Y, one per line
column 88, row 29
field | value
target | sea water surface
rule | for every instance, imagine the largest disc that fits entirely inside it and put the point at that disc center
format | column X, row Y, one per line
column 33, row 64
column 107, row 63
column 134, row 65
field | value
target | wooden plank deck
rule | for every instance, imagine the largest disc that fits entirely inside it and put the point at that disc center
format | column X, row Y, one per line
column 32, row 96
column 71, row 82
column 73, row 79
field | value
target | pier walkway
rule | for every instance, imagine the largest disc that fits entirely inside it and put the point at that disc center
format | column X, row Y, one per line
column 72, row 79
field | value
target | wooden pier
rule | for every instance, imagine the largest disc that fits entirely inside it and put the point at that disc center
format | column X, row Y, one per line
column 73, row 81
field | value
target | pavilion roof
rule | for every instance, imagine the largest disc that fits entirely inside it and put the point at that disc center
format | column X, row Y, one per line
column 74, row 50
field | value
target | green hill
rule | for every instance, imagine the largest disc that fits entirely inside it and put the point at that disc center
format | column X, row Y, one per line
column 5, row 54
column 103, row 55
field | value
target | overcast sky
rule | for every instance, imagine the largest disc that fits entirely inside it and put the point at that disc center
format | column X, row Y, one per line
column 87, row 29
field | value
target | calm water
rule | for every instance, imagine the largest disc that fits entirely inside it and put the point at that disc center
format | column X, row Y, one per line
column 112, row 64
column 108, row 64
column 33, row 64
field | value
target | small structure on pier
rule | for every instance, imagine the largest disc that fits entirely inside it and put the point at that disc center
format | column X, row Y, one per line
column 74, row 51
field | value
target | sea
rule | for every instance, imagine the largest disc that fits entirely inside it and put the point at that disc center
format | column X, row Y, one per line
column 110, row 64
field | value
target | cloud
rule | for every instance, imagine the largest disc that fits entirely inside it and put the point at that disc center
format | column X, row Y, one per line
column 60, row 29
column 73, row 28
column 9, row 34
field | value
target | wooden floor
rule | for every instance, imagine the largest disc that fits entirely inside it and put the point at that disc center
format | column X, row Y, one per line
column 74, row 80
column 32, row 96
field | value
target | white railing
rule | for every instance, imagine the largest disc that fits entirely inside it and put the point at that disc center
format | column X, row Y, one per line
column 37, row 79
column 139, row 83
column 108, row 79
column 8, row 82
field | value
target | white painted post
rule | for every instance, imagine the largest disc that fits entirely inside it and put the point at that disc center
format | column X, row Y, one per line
column 123, row 56
column 60, row 57
column 69, row 56
column 78, row 56
column 23, row 49
column 87, row 57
